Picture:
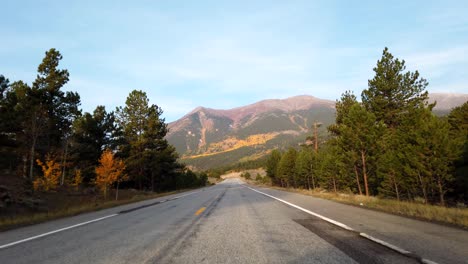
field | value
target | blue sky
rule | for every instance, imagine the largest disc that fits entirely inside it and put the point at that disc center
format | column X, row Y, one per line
column 224, row 54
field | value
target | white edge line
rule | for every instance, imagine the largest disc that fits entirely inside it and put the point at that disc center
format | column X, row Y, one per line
column 55, row 231
column 77, row 225
column 376, row 240
column 307, row 211
column 426, row 261
column 187, row 194
column 383, row 243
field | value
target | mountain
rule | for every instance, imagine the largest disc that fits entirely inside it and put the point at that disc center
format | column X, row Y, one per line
column 447, row 101
column 208, row 137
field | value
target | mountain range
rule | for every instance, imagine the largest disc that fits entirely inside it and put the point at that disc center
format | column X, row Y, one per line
column 208, row 137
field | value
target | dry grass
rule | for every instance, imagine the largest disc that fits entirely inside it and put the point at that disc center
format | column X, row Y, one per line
column 452, row 216
column 34, row 218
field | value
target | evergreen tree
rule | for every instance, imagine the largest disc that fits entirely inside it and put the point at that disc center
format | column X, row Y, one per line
column 393, row 93
column 303, row 169
column 133, row 119
column 272, row 166
column 285, row 169
column 92, row 133
column 458, row 121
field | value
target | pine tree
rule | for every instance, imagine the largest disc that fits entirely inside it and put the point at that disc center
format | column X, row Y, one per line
column 133, row 119
column 303, row 169
column 272, row 166
column 285, row 169
column 392, row 93
column 458, row 120
column 91, row 134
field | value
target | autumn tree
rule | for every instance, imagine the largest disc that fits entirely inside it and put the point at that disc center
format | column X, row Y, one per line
column 42, row 113
column 51, row 174
column 110, row 171
column 92, row 133
column 77, row 180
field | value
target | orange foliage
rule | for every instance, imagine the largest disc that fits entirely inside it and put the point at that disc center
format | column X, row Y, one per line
column 109, row 171
column 233, row 143
column 50, row 180
column 77, row 179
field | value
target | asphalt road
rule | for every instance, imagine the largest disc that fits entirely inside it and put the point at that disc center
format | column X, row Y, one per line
column 226, row 223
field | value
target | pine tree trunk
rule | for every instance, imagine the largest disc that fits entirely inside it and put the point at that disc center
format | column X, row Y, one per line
column 64, row 162
column 357, row 180
column 423, row 187
column 312, row 176
column 152, row 180
column 396, row 187
column 308, row 183
column 366, row 186
column 25, row 166
column 117, row 191
column 31, row 159
column 441, row 192
column 334, row 184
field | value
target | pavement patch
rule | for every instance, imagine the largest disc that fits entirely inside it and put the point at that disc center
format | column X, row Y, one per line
column 343, row 226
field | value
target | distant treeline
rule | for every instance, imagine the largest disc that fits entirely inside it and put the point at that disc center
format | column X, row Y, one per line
column 390, row 144
column 45, row 139
column 239, row 166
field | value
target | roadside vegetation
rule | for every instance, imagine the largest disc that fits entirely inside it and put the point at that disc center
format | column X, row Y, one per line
column 457, row 215
column 68, row 203
column 49, row 146
column 388, row 151
column 388, row 145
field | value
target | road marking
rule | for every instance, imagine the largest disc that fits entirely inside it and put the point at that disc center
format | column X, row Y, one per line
column 200, row 211
column 383, row 243
column 187, row 194
column 306, row 211
column 376, row 240
column 84, row 223
column 55, row 231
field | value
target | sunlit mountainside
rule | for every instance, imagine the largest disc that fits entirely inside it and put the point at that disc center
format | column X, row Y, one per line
column 209, row 137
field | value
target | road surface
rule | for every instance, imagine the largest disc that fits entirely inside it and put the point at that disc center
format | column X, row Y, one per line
column 226, row 223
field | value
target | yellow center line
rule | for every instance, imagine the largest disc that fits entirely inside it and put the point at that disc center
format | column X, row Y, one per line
column 200, row 211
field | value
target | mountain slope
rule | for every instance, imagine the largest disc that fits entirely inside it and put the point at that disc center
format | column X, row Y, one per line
column 250, row 129
column 208, row 137
column 447, row 101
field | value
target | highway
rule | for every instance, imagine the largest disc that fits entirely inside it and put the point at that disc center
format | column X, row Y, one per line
column 230, row 222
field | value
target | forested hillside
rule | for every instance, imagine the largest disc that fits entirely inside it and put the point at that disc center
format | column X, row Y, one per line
column 48, row 145
column 389, row 143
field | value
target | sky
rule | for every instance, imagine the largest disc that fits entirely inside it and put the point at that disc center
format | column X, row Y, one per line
column 225, row 54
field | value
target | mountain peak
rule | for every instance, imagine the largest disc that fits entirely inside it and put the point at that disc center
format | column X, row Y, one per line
column 211, row 137
column 295, row 103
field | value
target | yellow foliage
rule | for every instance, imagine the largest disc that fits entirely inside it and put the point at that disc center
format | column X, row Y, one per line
column 232, row 143
column 51, row 175
column 77, row 179
column 109, row 171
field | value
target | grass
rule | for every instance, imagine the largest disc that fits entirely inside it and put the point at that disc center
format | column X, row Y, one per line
column 446, row 215
column 9, row 222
